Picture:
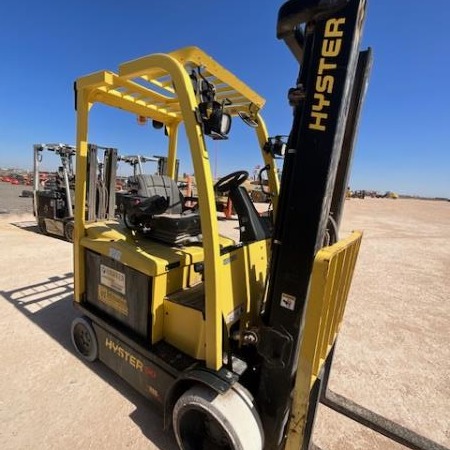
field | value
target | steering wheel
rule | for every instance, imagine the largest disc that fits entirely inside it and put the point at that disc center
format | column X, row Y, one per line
column 231, row 181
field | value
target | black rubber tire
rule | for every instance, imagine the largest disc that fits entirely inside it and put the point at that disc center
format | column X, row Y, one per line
column 68, row 230
column 128, row 221
column 42, row 227
column 84, row 339
column 206, row 420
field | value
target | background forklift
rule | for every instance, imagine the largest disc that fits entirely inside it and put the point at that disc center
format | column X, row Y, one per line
column 137, row 163
column 232, row 339
column 53, row 201
column 53, row 197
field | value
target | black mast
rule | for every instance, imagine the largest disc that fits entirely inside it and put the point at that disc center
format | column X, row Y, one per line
column 327, row 47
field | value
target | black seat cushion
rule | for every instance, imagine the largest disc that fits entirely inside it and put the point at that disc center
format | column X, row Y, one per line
column 172, row 225
column 162, row 185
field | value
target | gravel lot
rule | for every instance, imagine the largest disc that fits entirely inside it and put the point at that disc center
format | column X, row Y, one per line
column 393, row 353
column 12, row 201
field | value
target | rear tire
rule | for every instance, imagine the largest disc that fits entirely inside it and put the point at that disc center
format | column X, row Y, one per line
column 205, row 420
column 42, row 227
column 68, row 230
column 84, row 339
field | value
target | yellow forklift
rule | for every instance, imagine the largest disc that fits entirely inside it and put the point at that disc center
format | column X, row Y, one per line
column 232, row 338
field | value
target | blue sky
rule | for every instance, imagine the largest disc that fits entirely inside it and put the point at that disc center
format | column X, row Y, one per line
column 404, row 138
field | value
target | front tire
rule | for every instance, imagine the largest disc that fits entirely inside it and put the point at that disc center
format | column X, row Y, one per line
column 205, row 420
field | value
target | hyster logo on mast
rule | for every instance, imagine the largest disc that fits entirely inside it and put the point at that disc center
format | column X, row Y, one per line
column 331, row 47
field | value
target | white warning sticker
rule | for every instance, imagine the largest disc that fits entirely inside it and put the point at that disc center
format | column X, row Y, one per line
column 112, row 278
column 115, row 254
column 235, row 314
column 287, row 301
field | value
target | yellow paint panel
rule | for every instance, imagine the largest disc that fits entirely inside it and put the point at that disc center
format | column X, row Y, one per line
column 184, row 328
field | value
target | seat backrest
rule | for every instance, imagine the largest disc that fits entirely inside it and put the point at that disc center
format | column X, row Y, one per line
column 150, row 185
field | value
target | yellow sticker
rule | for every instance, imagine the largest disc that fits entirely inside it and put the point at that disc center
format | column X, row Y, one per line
column 113, row 300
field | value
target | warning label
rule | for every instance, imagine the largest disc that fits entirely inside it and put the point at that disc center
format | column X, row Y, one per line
column 234, row 315
column 112, row 278
column 287, row 301
column 113, row 300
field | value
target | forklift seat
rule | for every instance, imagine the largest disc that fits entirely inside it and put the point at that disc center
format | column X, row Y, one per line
column 177, row 225
column 162, row 185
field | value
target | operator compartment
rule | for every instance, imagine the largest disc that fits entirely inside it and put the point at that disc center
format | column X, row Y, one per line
column 149, row 258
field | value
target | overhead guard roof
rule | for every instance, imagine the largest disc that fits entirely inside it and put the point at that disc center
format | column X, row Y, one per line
column 146, row 89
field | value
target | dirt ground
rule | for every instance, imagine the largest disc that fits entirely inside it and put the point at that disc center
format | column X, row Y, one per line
column 392, row 356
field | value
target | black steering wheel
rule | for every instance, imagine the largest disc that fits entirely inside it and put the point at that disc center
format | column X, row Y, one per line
column 231, row 181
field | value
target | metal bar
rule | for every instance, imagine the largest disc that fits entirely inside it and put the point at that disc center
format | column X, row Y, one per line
column 67, row 186
column 92, row 185
column 82, row 107
column 364, row 67
column 36, row 149
column 132, row 87
column 164, row 86
column 370, row 419
column 110, row 174
column 171, row 169
column 139, row 164
column 215, row 292
column 191, row 56
column 380, row 424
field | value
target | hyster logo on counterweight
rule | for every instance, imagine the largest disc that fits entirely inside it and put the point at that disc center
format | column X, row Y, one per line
column 133, row 360
column 331, row 47
column 122, row 353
